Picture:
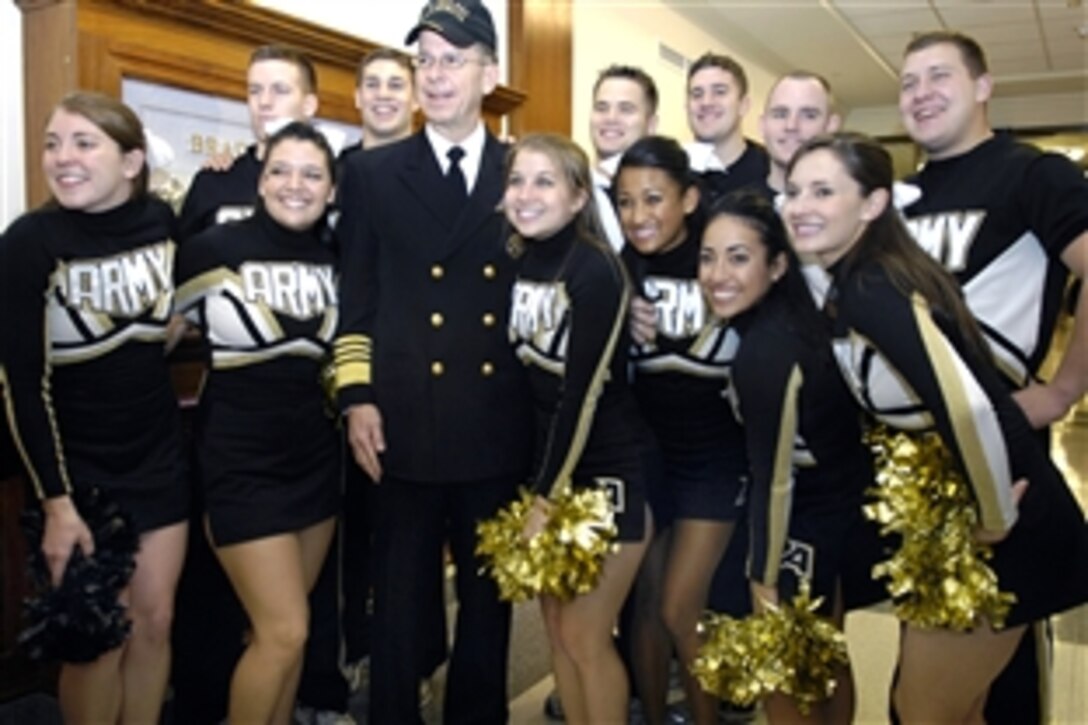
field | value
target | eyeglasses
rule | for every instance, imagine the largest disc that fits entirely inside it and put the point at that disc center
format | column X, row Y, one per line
column 446, row 61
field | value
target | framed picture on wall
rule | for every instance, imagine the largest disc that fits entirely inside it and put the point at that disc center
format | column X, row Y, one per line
column 186, row 128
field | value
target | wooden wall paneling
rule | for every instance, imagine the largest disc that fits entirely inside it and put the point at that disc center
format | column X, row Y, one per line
column 540, row 63
column 49, row 71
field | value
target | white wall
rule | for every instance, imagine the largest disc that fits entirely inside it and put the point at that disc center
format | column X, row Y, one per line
column 619, row 31
column 12, row 183
column 382, row 21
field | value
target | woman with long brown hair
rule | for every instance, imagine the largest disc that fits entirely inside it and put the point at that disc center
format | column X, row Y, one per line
column 87, row 296
column 568, row 325
column 914, row 359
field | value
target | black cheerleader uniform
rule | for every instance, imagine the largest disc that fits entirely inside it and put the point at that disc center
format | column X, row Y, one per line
column 908, row 367
column 679, row 381
column 86, row 301
column 568, row 324
column 999, row 217
column 266, row 299
column 809, row 466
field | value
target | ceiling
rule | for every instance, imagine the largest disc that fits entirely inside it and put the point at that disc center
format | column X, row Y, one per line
column 1033, row 46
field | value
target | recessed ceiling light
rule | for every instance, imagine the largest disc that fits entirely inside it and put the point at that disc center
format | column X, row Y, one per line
column 1082, row 30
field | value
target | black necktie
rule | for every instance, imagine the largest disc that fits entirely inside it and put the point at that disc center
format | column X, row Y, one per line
column 455, row 177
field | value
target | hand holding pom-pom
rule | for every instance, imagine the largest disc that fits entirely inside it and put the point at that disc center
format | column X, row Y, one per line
column 75, row 616
column 938, row 577
column 65, row 531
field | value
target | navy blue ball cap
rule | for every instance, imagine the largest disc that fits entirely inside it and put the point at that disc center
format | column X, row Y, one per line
column 461, row 22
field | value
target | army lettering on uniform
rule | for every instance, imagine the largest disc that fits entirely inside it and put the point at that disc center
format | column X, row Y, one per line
column 948, row 237
column 679, row 305
column 125, row 285
column 299, row 290
column 537, row 309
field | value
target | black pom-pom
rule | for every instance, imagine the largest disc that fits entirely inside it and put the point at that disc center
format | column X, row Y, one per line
column 82, row 618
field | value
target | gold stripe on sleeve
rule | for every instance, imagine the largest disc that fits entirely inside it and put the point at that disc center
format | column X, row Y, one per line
column 781, row 497
column 9, row 409
column 974, row 424
column 562, row 481
column 351, row 355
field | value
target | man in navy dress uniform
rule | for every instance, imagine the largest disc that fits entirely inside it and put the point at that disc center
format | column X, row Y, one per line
column 435, row 403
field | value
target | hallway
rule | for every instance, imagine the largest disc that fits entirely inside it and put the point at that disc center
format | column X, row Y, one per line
column 872, row 633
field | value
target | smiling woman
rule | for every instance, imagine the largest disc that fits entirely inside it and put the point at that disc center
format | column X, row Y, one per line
column 916, row 362
column 93, row 165
column 86, row 300
column 263, row 291
column 296, row 184
column 568, row 324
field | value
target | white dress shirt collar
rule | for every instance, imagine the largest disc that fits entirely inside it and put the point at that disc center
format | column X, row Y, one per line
column 473, row 146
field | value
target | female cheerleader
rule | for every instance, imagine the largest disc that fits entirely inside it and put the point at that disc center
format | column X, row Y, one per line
column 88, row 290
column 568, row 323
column 809, row 467
column 679, row 377
column 915, row 360
column 264, row 292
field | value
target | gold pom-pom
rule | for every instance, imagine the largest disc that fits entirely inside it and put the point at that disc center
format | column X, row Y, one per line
column 787, row 648
column 564, row 560
column 939, row 576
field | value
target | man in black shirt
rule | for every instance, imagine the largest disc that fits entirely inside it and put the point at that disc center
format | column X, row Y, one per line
column 1011, row 223
column 717, row 98
column 281, row 86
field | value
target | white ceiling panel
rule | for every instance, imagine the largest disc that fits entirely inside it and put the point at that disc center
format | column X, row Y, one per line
column 1032, row 43
column 962, row 15
column 1022, row 33
column 1016, row 66
column 892, row 22
column 1077, row 60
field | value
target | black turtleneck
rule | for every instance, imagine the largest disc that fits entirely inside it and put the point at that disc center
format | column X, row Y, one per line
column 568, row 324
column 265, row 295
column 86, row 299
